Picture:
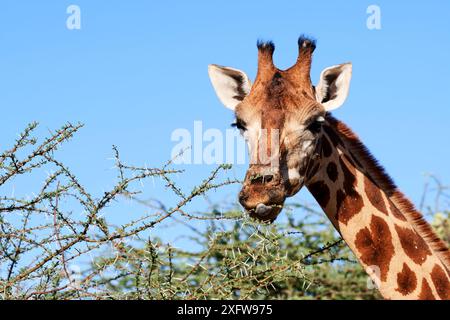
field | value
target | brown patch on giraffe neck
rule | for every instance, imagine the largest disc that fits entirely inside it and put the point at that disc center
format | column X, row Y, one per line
column 425, row 292
column 321, row 192
column 406, row 280
column 348, row 201
column 332, row 171
column 415, row 247
column 374, row 195
column 441, row 282
column 375, row 246
column 326, row 147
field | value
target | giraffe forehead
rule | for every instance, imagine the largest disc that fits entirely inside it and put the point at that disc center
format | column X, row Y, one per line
column 272, row 118
column 279, row 97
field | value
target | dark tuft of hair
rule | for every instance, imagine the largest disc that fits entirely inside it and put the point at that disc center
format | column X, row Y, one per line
column 265, row 46
column 306, row 42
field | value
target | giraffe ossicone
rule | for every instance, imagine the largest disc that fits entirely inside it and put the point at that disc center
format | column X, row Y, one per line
column 396, row 246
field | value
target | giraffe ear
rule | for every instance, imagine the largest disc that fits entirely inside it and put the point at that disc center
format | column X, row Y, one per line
column 334, row 85
column 231, row 85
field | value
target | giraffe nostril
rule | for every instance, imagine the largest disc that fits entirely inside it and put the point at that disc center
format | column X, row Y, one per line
column 243, row 197
column 261, row 179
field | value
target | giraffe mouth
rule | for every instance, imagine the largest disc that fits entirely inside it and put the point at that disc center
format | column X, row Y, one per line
column 263, row 207
column 265, row 213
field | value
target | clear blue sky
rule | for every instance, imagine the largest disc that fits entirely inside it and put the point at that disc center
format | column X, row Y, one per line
column 137, row 70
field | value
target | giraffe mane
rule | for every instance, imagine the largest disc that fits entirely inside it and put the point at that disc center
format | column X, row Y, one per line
column 378, row 174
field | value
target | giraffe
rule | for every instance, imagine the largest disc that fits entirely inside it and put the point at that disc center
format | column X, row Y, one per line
column 389, row 237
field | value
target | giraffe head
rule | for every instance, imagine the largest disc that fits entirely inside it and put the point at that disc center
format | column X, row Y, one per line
column 280, row 116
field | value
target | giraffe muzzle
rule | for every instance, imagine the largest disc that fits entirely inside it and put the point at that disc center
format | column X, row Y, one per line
column 263, row 204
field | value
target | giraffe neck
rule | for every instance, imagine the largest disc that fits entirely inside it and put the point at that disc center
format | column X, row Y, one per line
column 396, row 247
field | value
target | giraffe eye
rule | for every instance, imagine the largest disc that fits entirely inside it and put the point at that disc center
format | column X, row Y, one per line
column 239, row 124
column 316, row 125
